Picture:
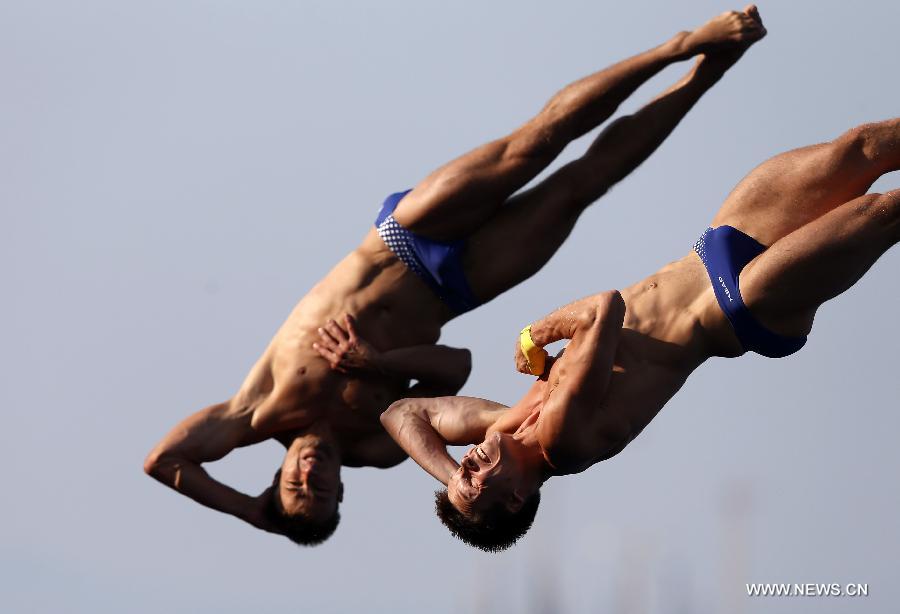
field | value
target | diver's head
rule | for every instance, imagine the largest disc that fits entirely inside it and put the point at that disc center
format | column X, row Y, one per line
column 491, row 500
column 307, row 491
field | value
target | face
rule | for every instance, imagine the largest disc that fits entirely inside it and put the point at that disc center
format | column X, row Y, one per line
column 310, row 482
column 489, row 473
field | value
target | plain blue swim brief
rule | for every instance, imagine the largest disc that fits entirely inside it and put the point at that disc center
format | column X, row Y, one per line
column 436, row 263
column 725, row 251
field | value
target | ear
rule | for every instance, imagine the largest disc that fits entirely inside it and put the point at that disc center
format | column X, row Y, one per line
column 340, row 492
column 514, row 502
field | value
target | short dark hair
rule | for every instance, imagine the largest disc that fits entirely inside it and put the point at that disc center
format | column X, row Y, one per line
column 492, row 531
column 298, row 529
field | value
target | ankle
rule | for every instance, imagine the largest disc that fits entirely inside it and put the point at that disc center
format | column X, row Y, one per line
column 681, row 46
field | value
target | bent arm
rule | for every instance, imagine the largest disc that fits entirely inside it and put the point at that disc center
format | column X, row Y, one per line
column 425, row 427
column 575, row 319
column 594, row 325
column 205, row 436
column 439, row 369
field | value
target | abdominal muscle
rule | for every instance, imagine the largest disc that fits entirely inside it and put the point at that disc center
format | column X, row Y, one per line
column 676, row 313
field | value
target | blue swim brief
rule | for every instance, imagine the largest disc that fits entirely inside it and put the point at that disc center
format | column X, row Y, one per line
column 725, row 251
column 436, row 263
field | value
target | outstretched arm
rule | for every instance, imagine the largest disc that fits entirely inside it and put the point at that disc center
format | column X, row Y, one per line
column 206, row 436
column 425, row 427
column 439, row 369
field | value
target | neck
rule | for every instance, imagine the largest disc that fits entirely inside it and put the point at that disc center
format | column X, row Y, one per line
column 531, row 455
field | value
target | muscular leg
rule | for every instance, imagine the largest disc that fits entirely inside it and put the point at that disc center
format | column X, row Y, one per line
column 458, row 198
column 538, row 220
column 785, row 285
column 797, row 187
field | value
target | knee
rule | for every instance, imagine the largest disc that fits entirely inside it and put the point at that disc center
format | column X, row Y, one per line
column 581, row 183
column 889, row 204
column 862, row 139
column 883, row 210
column 541, row 139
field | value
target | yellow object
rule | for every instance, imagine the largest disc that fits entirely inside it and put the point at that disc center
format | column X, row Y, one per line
column 534, row 355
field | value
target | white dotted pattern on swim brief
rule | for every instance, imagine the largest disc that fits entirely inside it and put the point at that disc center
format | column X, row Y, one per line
column 700, row 246
column 398, row 239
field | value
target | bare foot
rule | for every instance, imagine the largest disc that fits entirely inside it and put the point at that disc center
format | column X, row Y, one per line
column 728, row 32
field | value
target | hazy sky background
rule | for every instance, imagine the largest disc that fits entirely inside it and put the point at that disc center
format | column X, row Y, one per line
column 174, row 176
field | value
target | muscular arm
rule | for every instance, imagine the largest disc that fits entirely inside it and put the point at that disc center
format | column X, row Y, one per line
column 594, row 324
column 575, row 319
column 425, row 427
column 205, row 436
column 439, row 369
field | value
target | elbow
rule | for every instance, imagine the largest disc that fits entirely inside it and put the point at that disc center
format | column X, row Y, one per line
column 604, row 309
column 467, row 361
column 160, row 466
column 610, row 305
column 465, row 369
column 153, row 463
column 393, row 412
column 615, row 298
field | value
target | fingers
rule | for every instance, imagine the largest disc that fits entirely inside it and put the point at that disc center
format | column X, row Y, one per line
column 334, row 359
column 522, row 364
column 350, row 324
column 328, row 354
column 752, row 20
column 519, row 357
column 335, row 341
column 753, row 11
column 329, row 348
column 327, row 340
column 337, row 333
column 748, row 24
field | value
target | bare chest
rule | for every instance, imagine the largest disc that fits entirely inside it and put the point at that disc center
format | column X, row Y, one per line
column 637, row 392
column 306, row 390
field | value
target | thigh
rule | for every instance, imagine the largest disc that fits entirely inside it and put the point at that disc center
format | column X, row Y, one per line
column 456, row 199
column 520, row 238
column 785, row 285
column 794, row 188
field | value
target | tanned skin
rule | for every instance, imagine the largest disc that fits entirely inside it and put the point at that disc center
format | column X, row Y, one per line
column 325, row 411
column 630, row 352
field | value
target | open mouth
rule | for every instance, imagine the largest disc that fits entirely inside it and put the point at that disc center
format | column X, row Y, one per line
column 481, row 454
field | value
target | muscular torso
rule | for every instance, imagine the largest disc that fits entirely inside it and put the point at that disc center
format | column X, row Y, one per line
column 672, row 325
column 291, row 386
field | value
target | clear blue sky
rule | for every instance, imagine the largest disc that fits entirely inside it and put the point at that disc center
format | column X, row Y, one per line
column 174, row 176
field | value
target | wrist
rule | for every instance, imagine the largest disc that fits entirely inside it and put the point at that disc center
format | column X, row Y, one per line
column 534, row 353
column 709, row 69
column 538, row 334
